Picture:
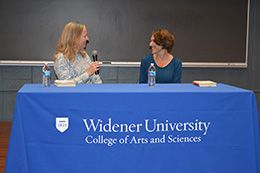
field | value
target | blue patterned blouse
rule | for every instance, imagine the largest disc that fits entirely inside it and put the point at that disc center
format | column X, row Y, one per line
column 75, row 70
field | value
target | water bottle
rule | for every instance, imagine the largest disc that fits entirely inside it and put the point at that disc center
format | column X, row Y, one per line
column 151, row 75
column 46, row 76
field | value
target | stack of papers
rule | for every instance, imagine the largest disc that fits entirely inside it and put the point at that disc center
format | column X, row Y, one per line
column 204, row 83
column 64, row 83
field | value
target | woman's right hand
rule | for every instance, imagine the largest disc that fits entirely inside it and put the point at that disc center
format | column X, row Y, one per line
column 93, row 67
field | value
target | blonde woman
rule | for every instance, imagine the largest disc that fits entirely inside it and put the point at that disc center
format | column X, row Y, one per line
column 71, row 61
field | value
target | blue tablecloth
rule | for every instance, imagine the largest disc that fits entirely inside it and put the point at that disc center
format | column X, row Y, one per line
column 134, row 128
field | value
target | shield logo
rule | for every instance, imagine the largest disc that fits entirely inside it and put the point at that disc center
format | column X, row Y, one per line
column 62, row 124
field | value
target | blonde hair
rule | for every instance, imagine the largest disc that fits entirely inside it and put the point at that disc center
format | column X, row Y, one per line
column 68, row 41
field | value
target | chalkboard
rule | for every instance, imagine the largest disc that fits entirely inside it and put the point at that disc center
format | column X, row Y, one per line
column 205, row 30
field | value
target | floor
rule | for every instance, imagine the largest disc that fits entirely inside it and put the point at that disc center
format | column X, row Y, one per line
column 5, row 128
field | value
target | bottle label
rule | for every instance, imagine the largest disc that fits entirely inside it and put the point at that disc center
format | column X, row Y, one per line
column 152, row 73
column 46, row 73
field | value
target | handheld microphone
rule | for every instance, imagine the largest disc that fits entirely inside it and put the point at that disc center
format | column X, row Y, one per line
column 87, row 41
column 94, row 56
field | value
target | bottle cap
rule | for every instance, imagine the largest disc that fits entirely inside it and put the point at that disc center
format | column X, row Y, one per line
column 45, row 67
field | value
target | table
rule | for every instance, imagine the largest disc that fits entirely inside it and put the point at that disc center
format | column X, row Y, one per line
column 133, row 128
